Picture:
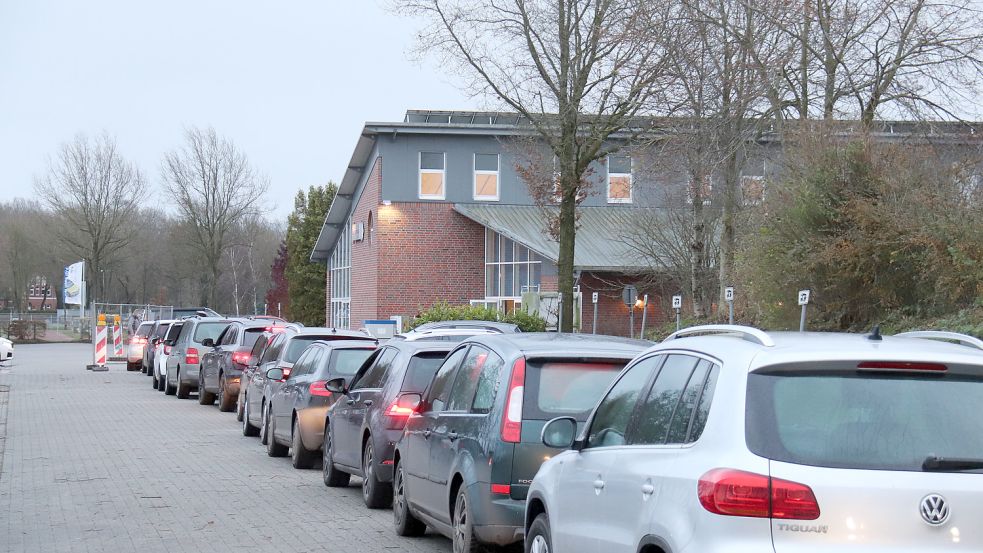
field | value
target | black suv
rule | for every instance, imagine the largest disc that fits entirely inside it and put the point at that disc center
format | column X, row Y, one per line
column 471, row 449
column 223, row 361
column 362, row 429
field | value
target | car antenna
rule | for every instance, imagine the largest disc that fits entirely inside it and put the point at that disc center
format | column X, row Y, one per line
column 875, row 334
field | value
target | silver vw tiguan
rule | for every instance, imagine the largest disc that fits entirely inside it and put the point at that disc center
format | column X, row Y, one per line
column 731, row 439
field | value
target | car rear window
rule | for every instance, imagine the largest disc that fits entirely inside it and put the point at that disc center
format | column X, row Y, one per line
column 421, row 369
column 878, row 421
column 297, row 345
column 347, row 361
column 161, row 330
column 556, row 388
column 250, row 335
column 144, row 329
column 174, row 331
column 208, row 330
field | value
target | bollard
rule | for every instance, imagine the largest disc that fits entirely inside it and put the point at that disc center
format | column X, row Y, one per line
column 117, row 337
column 99, row 353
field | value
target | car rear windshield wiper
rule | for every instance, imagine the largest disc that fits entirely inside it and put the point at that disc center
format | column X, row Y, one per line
column 943, row 464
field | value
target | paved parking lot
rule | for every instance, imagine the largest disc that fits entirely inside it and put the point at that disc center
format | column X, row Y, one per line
column 102, row 462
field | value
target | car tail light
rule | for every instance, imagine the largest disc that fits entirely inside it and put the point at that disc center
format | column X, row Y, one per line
column 397, row 416
column 137, row 340
column 167, row 350
column 901, row 366
column 241, row 357
column 191, row 356
column 317, row 388
column 512, row 422
column 503, row 489
column 745, row 494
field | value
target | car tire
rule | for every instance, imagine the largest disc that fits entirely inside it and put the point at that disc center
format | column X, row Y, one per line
column 247, row 428
column 273, row 448
column 130, row 367
column 377, row 495
column 161, row 381
column 405, row 523
column 183, row 390
column 463, row 539
column 225, row 401
column 143, row 368
column 264, row 429
column 333, row 478
column 240, row 407
column 538, row 538
column 204, row 398
column 168, row 389
column 154, row 381
column 300, row 456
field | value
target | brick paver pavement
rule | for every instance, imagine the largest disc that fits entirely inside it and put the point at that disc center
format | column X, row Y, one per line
column 101, row 462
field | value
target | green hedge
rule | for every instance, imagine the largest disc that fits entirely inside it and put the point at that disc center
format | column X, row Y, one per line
column 446, row 312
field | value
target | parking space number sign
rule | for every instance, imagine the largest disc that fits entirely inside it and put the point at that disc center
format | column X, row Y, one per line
column 677, row 302
column 729, row 293
column 803, row 297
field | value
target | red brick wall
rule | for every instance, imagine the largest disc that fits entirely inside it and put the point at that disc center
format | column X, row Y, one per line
column 612, row 313
column 427, row 253
column 365, row 253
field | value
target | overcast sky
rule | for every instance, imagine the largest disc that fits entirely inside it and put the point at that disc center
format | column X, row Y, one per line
column 290, row 82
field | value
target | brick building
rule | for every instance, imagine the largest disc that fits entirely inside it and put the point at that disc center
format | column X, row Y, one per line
column 40, row 295
column 433, row 209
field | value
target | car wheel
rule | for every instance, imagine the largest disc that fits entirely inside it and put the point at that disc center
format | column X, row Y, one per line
column 168, row 389
column 333, row 478
column 225, row 402
column 406, row 524
column 377, row 495
column 183, row 390
column 247, row 428
column 464, row 540
column 161, row 381
column 264, row 429
column 300, row 456
column 538, row 539
column 240, row 407
column 273, row 448
column 204, row 398
column 154, row 381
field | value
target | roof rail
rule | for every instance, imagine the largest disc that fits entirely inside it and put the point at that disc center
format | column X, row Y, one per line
column 963, row 339
column 746, row 332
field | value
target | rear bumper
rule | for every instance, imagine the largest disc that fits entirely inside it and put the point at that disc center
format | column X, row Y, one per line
column 497, row 520
column 311, row 424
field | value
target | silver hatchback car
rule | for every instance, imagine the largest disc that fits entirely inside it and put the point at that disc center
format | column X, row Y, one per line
column 731, row 439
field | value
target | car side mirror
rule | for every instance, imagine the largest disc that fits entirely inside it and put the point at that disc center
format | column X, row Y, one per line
column 208, row 343
column 274, row 374
column 337, row 385
column 560, row 433
column 410, row 401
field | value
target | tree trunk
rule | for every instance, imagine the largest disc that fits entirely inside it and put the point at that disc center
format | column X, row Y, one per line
column 567, row 236
column 728, row 232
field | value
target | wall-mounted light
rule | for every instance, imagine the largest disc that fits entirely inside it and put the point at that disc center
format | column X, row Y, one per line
column 386, row 202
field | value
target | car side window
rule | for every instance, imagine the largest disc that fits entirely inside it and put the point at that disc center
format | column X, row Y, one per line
column 704, row 398
column 440, row 388
column 484, row 396
column 466, row 381
column 665, row 413
column 259, row 347
column 375, row 377
column 272, row 353
column 609, row 426
column 304, row 364
column 230, row 336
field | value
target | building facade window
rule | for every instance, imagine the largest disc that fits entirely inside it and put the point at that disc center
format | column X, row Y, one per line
column 705, row 190
column 432, row 175
column 486, row 177
column 752, row 189
column 619, row 180
column 510, row 270
column 341, row 280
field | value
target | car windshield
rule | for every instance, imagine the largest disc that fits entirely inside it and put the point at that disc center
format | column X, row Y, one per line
column 864, row 421
column 208, row 330
column 421, row 369
column 566, row 388
column 297, row 345
column 250, row 336
column 347, row 361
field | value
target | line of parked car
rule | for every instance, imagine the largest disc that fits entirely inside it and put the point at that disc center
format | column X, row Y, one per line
column 721, row 438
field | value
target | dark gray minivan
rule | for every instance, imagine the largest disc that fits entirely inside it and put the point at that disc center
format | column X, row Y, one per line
column 470, row 450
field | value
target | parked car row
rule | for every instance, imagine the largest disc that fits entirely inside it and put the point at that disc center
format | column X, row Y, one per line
column 721, row 438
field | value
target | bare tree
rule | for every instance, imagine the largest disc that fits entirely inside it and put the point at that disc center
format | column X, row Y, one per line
column 215, row 189
column 94, row 193
column 579, row 71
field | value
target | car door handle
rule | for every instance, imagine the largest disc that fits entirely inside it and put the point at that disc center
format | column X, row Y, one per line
column 367, row 403
column 452, row 436
column 426, row 434
column 350, row 402
column 598, row 484
column 648, row 489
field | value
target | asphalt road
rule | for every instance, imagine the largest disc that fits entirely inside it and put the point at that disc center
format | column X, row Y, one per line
column 102, row 462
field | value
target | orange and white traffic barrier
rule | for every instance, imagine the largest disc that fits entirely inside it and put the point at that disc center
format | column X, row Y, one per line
column 117, row 337
column 100, row 343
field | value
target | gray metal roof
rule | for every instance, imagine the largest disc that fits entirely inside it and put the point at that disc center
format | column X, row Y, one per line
column 600, row 233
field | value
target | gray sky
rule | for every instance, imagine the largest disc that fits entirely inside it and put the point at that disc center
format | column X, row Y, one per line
column 291, row 82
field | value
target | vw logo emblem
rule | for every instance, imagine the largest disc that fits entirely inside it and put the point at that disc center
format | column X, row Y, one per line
column 934, row 509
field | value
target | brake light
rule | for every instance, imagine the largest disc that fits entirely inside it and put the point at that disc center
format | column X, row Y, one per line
column 286, row 372
column 167, row 350
column 137, row 340
column 733, row 492
column 503, row 489
column 191, row 356
column 241, row 357
column 901, row 366
column 396, row 411
column 512, row 422
column 318, row 388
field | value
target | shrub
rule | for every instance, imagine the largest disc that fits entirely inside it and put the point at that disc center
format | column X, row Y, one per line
column 445, row 312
